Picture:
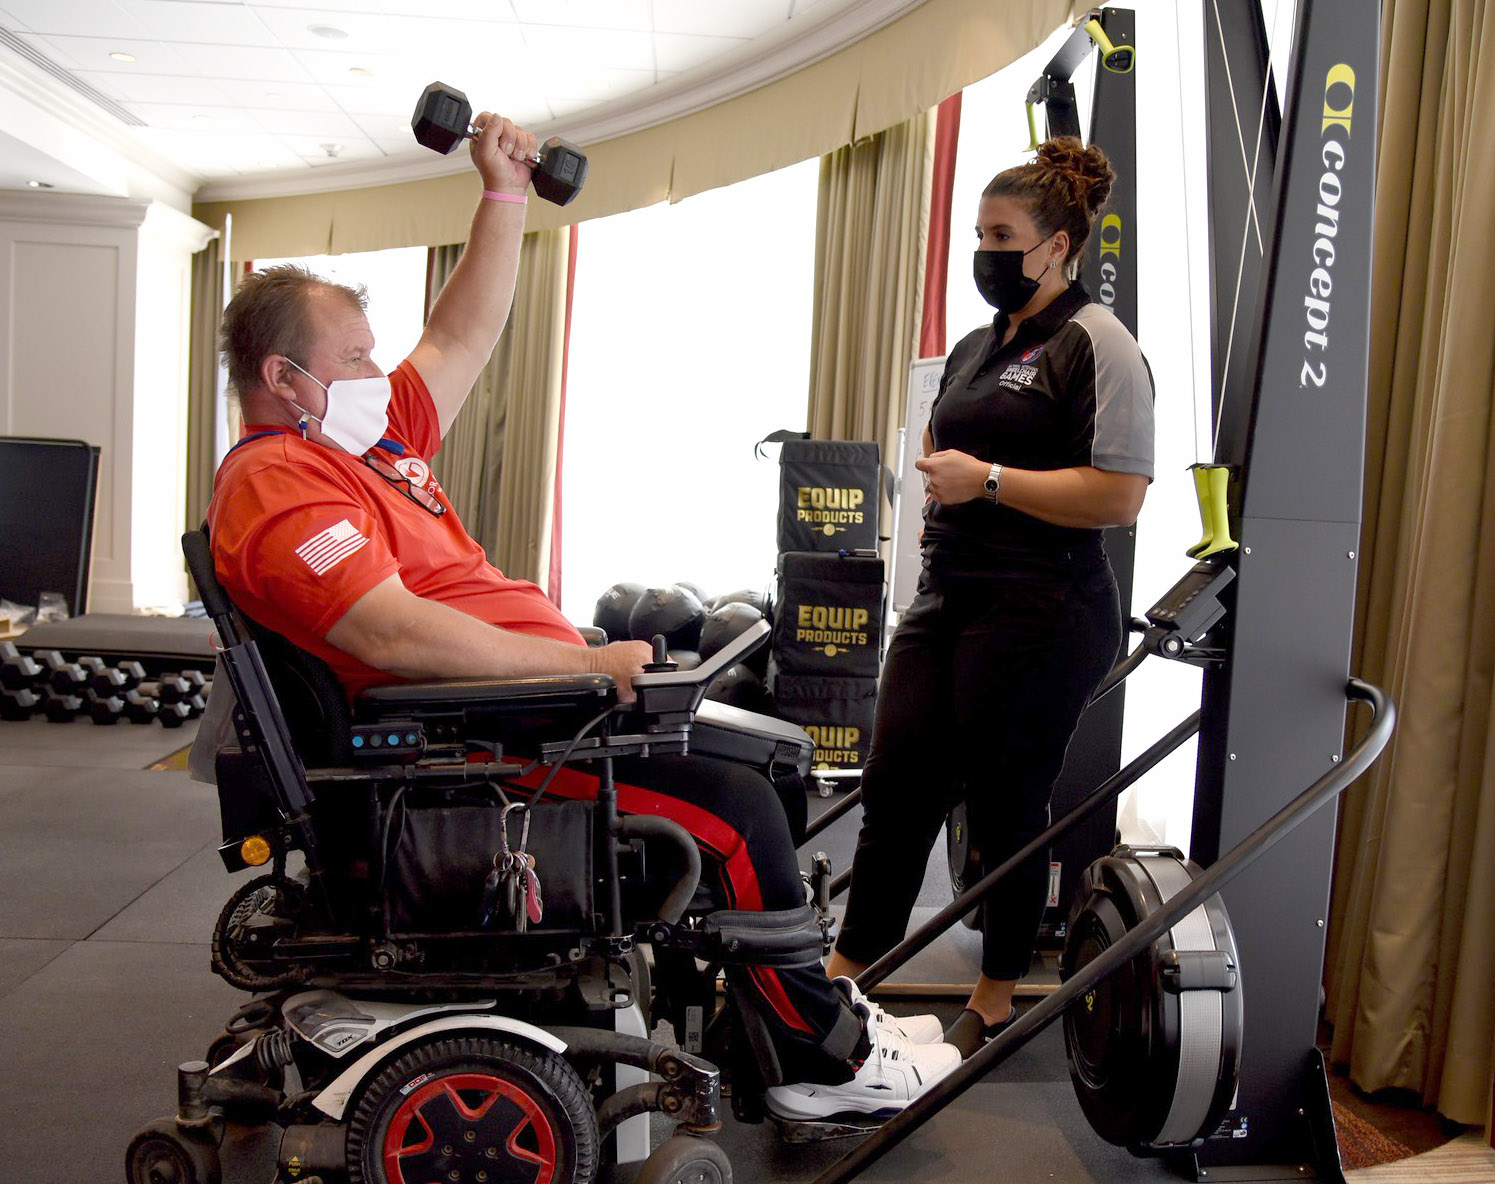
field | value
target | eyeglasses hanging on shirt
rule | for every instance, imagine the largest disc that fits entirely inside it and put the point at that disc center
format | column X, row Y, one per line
column 419, row 495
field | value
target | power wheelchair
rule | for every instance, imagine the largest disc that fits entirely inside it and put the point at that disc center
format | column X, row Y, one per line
column 416, row 1014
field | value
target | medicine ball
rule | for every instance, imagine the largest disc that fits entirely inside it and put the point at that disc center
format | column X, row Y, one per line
column 673, row 612
column 694, row 589
column 727, row 622
column 613, row 607
column 1154, row 1048
column 737, row 686
column 685, row 659
column 760, row 600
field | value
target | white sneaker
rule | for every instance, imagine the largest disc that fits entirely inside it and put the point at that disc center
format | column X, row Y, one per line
column 917, row 1029
column 895, row 1072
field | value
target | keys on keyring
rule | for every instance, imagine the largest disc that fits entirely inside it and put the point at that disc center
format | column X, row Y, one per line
column 513, row 881
column 492, row 889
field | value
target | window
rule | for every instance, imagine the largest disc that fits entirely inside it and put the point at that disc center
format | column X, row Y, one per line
column 396, row 283
column 690, row 341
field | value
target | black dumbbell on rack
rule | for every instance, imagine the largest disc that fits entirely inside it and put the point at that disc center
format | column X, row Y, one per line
column 18, row 671
column 443, row 119
column 19, row 703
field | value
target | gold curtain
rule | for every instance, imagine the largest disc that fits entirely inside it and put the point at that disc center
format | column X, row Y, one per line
column 872, row 229
column 1412, row 941
column 497, row 462
column 202, row 379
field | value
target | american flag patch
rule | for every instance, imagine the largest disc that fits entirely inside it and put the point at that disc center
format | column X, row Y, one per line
column 326, row 550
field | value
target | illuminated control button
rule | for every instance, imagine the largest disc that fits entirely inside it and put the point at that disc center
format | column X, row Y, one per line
column 357, row 741
column 411, row 739
column 375, row 741
column 394, row 739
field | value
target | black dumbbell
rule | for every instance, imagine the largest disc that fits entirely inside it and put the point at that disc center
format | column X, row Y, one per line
column 68, row 679
column 169, row 688
column 19, row 672
column 106, row 709
column 141, row 709
column 174, row 715
column 19, row 704
column 62, row 709
column 443, row 119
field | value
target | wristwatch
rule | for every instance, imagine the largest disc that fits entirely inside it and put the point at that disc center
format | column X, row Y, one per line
column 993, row 484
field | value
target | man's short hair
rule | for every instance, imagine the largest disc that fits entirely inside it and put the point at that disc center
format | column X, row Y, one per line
column 268, row 315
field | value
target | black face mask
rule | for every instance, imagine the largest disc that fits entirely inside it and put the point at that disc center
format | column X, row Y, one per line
column 1000, row 279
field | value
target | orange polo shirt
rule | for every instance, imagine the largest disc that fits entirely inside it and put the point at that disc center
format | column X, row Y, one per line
column 301, row 531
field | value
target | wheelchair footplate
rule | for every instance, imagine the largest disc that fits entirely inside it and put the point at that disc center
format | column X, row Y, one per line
column 823, row 1130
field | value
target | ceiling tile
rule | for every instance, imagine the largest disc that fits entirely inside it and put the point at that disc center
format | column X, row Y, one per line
column 201, row 21
column 253, row 63
column 594, row 14
column 305, row 123
column 158, row 88
column 576, row 50
column 456, row 10
column 92, row 53
column 310, row 149
column 102, row 18
column 289, row 96
column 189, row 118
column 675, row 52
column 723, row 18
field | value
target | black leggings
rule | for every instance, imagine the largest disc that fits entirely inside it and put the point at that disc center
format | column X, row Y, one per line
column 983, row 687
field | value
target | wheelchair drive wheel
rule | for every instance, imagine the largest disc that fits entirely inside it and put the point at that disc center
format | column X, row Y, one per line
column 472, row 1109
column 686, row 1159
column 256, row 916
column 163, row 1154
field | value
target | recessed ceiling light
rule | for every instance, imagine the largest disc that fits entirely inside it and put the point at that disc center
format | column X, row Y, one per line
column 360, row 71
column 120, row 56
column 333, row 150
column 331, row 32
column 39, row 184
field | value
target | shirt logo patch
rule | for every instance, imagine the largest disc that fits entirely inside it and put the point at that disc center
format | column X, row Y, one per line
column 1018, row 377
column 1030, row 356
column 414, row 469
column 325, row 550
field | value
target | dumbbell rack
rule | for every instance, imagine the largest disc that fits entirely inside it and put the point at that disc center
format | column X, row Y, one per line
column 49, row 684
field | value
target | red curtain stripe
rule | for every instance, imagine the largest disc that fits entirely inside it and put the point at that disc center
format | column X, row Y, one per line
column 937, row 260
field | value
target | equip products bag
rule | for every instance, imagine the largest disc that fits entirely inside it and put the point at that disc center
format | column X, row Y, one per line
column 828, row 493
column 828, row 615
column 836, row 712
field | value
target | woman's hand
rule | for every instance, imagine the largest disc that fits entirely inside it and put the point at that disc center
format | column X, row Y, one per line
column 953, row 477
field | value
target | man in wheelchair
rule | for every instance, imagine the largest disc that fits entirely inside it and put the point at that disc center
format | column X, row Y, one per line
column 329, row 532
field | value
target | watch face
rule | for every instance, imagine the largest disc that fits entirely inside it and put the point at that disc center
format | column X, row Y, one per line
column 991, row 486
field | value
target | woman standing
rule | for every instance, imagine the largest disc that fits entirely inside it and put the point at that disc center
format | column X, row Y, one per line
column 1041, row 436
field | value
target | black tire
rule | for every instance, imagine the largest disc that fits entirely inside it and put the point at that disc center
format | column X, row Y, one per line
column 265, row 908
column 686, row 1159
column 162, row 1154
column 483, row 1104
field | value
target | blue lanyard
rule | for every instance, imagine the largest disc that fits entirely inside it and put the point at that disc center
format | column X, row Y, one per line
column 393, row 447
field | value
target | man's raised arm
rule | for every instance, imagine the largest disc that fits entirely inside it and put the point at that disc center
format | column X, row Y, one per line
column 470, row 312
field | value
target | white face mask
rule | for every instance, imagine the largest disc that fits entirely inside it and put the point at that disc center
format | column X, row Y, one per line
column 356, row 411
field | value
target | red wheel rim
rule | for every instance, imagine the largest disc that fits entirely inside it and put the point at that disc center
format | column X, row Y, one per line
column 469, row 1123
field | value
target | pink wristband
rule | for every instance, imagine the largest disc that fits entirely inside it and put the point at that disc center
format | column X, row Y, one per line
column 518, row 199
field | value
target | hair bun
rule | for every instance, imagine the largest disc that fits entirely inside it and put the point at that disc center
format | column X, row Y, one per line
column 1085, row 170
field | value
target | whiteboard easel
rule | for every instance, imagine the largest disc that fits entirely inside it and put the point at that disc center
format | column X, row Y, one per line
column 908, row 513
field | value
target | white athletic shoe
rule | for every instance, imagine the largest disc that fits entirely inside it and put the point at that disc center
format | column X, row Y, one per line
column 917, row 1029
column 895, row 1072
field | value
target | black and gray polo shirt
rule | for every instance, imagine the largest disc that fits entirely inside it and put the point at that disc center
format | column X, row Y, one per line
column 1070, row 389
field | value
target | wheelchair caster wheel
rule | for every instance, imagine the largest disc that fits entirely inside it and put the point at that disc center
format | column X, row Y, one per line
column 686, row 1159
column 163, row 1153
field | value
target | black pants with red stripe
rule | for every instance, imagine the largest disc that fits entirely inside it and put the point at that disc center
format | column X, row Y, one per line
column 748, row 858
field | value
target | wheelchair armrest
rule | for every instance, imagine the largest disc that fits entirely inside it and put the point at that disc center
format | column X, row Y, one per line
column 592, row 635
column 541, row 690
